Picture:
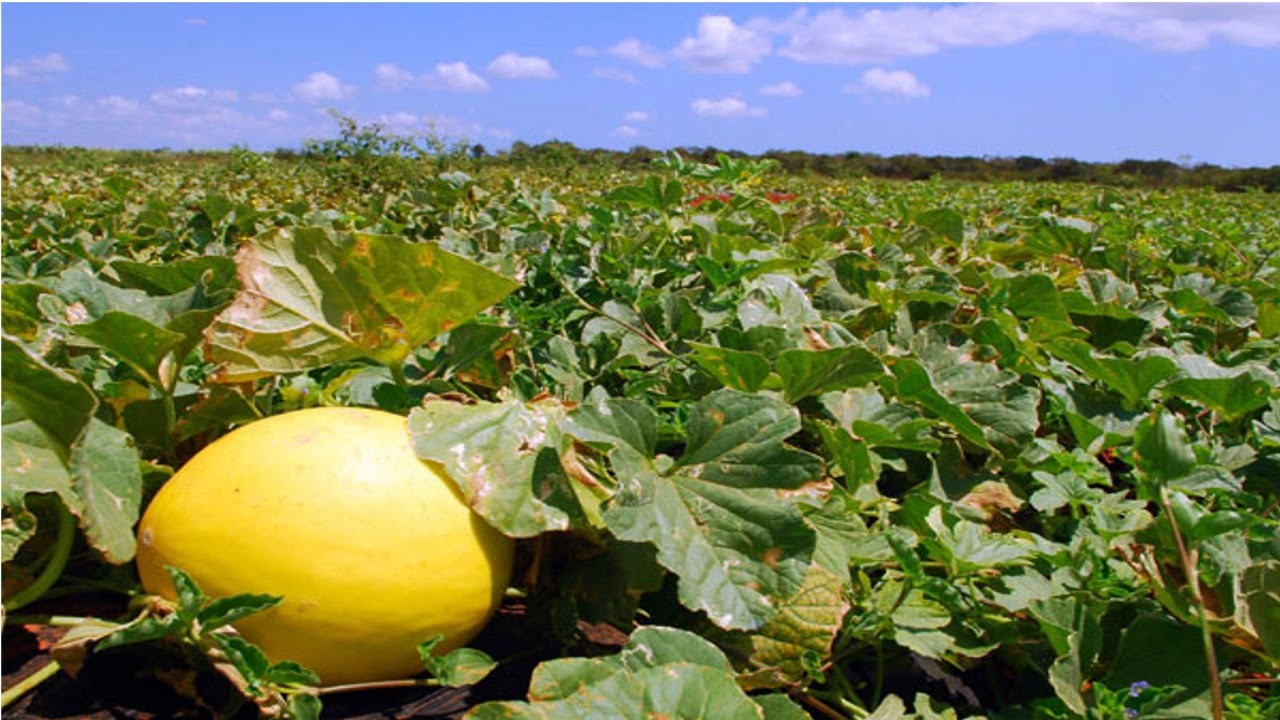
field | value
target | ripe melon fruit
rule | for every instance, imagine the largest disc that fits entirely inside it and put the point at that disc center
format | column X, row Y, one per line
column 373, row 550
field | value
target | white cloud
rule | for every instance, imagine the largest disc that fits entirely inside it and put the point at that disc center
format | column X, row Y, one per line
column 513, row 66
column 278, row 115
column 723, row 47
column 190, row 96
column 389, row 77
column 637, row 52
column 120, row 106
column 625, row 131
column 875, row 36
column 637, row 116
column 452, row 77
column 45, row 67
column 878, row 81
column 455, row 77
column 782, row 89
column 612, row 73
column 321, row 86
column 19, row 112
column 725, row 107
column 585, row 51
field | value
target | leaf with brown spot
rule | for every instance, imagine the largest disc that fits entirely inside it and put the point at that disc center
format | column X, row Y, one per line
column 503, row 459
column 312, row 297
column 807, row 622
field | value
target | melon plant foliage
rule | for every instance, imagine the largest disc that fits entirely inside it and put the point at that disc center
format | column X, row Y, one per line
column 801, row 446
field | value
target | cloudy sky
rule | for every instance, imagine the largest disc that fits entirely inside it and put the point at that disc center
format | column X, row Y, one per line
column 1101, row 82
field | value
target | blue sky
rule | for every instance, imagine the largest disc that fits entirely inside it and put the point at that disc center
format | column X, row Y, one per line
column 1099, row 82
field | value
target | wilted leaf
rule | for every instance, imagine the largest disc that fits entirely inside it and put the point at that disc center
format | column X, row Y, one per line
column 807, row 622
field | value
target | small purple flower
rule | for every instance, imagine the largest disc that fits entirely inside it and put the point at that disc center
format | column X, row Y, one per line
column 1136, row 689
column 1130, row 713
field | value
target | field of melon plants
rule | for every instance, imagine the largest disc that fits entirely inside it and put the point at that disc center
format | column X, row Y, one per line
column 768, row 446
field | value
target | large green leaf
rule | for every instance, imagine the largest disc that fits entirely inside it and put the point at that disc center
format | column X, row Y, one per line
column 813, row 372
column 312, row 297
column 56, row 402
column 1132, row 378
column 1075, row 635
column 1230, row 392
column 97, row 478
column 662, row 672
column 503, row 459
column 735, row 369
column 986, row 405
column 1161, row 447
column 724, row 516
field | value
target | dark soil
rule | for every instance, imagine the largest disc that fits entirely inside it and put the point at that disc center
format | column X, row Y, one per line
column 147, row 682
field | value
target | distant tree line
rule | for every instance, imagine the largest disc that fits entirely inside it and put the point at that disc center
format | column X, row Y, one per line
column 1128, row 173
column 368, row 147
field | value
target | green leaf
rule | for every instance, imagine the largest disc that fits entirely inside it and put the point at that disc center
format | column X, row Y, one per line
column 97, row 478
column 778, row 706
column 138, row 342
column 916, row 386
column 247, row 658
column 1180, row 651
column 1133, row 379
column 655, row 194
column 662, row 672
column 943, row 222
column 227, row 610
column 304, row 706
column 312, row 297
column 813, row 372
column 105, row 472
column 1160, row 447
column 502, row 457
column 463, row 666
column 723, row 517
column 190, row 597
column 174, row 277
column 144, row 629
column 735, row 369
column 1260, row 591
column 1231, row 392
column 1035, row 295
column 891, row 708
column 1075, row 634
column 55, row 401
column 289, row 673
column 736, row 439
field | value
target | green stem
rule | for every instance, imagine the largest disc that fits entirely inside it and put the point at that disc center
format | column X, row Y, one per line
column 29, row 683
column 170, row 425
column 1190, row 568
column 397, row 373
column 380, row 685
column 57, row 562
